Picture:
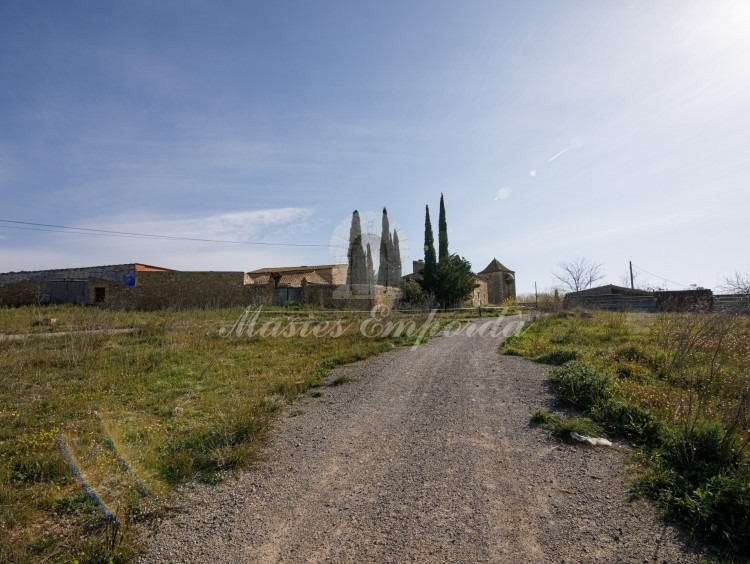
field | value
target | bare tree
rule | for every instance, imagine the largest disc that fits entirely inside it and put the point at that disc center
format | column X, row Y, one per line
column 625, row 280
column 578, row 274
column 737, row 284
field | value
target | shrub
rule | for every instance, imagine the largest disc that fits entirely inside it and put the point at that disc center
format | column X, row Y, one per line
column 628, row 419
column 580, row 385
column 413, row 296
column 703, row 450
column 718, row 511
column 713, row 508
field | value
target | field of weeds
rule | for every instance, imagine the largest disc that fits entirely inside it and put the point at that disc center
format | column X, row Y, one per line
column 98, row 425
column 677, row 386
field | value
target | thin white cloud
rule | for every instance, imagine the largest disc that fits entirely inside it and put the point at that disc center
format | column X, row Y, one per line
column 246, row 226
column 558, row 154
column 277, row 225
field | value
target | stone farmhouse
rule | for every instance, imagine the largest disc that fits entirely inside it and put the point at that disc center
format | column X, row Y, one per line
column 496, row 284
column 143, row 286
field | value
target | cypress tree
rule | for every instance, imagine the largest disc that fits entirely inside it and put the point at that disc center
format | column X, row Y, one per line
column 370, row 270
column 356, row 274
column 430, row 260
column 384, row 266
column 397, row 269
column 442, row 233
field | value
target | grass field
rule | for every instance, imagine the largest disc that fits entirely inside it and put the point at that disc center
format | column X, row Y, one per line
column 677, row 386
column 96, row 427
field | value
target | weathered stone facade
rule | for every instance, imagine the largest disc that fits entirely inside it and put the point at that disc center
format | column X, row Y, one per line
column 480, row 297
column 45, row 286
column 501, row 283
column 293, row 275
column 136, row 286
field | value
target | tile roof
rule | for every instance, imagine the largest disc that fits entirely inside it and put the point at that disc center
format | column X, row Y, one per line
column 495, row 266
column 283, row 269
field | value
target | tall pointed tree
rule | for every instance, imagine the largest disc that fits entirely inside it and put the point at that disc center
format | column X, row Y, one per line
column 385, row 248
column 356, row 275
column 397, row 269
column 430, row 260
column 443, row 253
column 370, row 269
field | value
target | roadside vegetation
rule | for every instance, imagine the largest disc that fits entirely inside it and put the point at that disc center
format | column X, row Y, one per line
column 677, row 386
column 97, row 427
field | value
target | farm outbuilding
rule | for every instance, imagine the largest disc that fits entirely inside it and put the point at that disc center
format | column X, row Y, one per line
column 88, row 285
column 128, row 286
column 142, row 286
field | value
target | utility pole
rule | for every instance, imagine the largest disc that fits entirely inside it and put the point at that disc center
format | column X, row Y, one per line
column 536, row 296
column 632, row 286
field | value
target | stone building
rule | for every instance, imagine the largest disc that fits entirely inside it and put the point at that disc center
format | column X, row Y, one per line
column 142, row 286
column 86, row 285
column 501, row 282
column 495, row 284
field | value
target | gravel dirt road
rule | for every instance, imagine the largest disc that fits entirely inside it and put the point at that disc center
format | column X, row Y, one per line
column 426, row 455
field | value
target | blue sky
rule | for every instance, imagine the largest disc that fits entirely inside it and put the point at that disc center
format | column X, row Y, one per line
column 614, row 131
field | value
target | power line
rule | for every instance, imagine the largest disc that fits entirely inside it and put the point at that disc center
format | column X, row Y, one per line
column 660, row 277
column 51, row 228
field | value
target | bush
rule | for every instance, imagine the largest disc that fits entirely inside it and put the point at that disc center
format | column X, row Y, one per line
column 629, row 420
column 701, row 451
column 582, row 386
column 713, row 507
column 718, row 511
column 413, row 297
column 557, row 356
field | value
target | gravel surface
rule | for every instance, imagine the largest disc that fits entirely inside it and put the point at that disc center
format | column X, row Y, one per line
column 426, row 455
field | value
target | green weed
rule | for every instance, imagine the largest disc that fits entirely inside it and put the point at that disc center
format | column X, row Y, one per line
column 675, row 384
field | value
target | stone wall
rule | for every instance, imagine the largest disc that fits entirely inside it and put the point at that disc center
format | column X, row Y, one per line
column 156, row 290
column 121, row 287
column 732, row 303
column 618, row 302
column 341, row 297
column 479, row 295
column 338, row 273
